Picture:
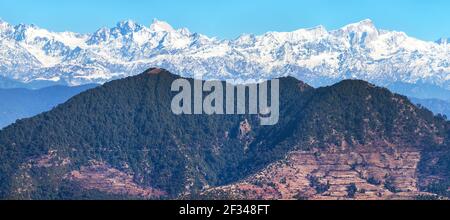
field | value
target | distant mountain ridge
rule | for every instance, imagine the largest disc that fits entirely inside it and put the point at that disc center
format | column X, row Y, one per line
column 23, row 103
column 121, row 140
column 437, row 106
column 316, row 56
column 420, row 90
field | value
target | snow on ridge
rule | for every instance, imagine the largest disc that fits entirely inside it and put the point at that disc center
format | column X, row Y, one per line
column 314, row 55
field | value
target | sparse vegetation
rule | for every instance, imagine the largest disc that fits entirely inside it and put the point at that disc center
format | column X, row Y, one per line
column 390, row 185
column 351, row 191
column 317, row 185
column 372, row 180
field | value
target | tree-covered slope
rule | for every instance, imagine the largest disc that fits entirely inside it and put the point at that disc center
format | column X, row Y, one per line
column 125, row 132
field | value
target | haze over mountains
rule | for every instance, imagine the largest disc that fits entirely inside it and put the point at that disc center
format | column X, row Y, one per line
column 316, row 55
column 18, row 103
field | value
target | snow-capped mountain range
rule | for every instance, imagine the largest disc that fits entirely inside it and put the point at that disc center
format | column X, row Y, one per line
column 317, row 56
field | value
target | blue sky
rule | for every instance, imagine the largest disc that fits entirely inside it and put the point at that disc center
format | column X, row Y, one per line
column 424, row 19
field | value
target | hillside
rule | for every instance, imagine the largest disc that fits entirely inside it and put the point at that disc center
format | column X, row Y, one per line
column 122, row 140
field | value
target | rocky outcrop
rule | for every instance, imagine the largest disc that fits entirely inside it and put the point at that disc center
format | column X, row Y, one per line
column 244, row 133
column 154, row 71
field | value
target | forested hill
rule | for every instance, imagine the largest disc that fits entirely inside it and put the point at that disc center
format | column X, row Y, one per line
column 124, row 134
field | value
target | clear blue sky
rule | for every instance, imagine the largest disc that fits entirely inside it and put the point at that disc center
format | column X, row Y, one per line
column 424, row 19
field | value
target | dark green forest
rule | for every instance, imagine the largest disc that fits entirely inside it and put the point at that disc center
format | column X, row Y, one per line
column 129, row 121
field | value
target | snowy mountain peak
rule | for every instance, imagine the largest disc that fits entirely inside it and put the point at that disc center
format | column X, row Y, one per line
column 128, row 26
column 4, row 26
column 161, row 26
column 319, row 28
column 185, row 31
column 443, row 41
column 366, row 25
column 245, row 39
column 101, row 35
column 314, row 55
column 360, row 33
column 315, row 32
column 363, row 23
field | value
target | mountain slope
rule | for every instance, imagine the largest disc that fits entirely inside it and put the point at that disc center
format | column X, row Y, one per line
column 121, row 139
column 419, row 90
column 436, row 105
column 316, row 56
column 23, row 103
